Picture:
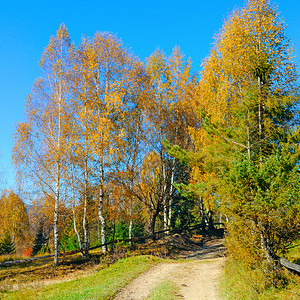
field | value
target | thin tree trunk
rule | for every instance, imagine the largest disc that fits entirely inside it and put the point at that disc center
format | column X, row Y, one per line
column 248, row 136
column 130, row 222
column 100, row 209
column 165, row 216
column 113, row 237
column 163, row 193
column 265, row 247
column 170, row 195
column 56, row 243
column 101, row 189
column 132, row 183
column 74, row 211
column 260, row 111
column 268, row 250
column 84, row 222
column 151, row 225
column 57, row 187
column 260, row 120
column 204, row 219
column 152, row 221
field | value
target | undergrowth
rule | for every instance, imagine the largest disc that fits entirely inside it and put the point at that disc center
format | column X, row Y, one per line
column 240, row 281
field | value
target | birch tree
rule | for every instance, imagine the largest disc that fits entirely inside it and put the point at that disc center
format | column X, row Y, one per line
column 41, row 141
column 169, row 116
column 112, row 73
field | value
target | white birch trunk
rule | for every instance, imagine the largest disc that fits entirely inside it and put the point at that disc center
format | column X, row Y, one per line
column 165, row 216
column 248, row 136
column 265, row 248
column 164, row 190
column 100, row 210
column 130, row 222
column 74, row 212
column 204, row 219
column 84, row 222
column 56, row 243
column 260, row 121
column 260, row 111
column 170, row 195
column 57, row 184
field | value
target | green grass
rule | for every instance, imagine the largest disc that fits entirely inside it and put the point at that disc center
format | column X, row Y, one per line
column 101, row 285
column 239, row 282
column 166, row 290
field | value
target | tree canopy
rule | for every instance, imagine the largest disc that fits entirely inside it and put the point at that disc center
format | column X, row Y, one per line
column 110, row 141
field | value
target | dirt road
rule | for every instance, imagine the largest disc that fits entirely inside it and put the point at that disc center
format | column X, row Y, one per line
column 196, row 277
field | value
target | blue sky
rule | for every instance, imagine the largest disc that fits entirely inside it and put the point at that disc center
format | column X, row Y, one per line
column 26, row 26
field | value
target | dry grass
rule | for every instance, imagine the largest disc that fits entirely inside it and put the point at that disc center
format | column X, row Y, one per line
column 40, row 273
column 10, row 257
column 241, row 282
column 99, row 284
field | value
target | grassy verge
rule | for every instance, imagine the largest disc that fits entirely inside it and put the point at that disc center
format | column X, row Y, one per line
column 240, row 282
column 166, row 290
column 101, row 285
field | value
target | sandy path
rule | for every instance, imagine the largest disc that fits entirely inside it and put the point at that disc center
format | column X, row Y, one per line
column 197, row 279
